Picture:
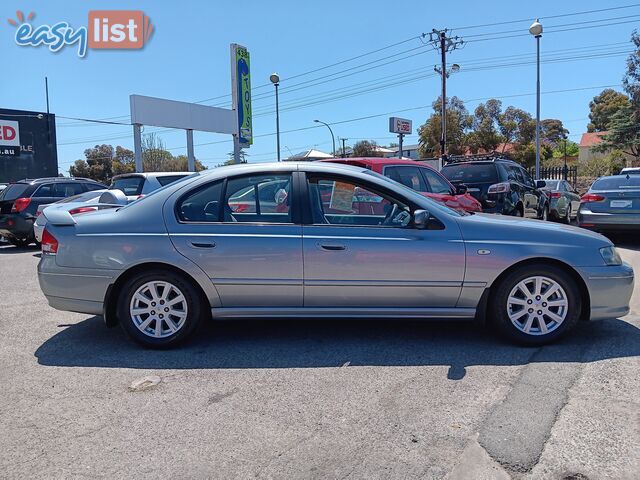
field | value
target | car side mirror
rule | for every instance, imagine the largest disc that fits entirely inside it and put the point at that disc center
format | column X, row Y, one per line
column 421, row 219
column 461, row 189
column 541, row 184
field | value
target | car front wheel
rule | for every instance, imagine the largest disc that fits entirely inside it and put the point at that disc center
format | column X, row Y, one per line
column 159, row 309
column 536, row 305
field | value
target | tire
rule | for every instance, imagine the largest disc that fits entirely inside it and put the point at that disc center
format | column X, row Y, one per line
column 20, row 242
column 177, row 325
column 510, row 299
column 545, row 214
column 519, row 211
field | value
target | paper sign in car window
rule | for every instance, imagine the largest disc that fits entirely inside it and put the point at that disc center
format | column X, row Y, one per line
column 342, row 196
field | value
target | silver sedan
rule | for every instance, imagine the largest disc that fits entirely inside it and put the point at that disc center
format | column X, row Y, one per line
column 612, row 205
column 334, row 241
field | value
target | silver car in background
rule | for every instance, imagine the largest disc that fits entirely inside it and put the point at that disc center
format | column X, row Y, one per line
column 612, row 205
column 334, row 242
column 137, row 185
column 564, row 200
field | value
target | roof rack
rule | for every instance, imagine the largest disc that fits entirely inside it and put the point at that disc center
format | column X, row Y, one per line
column 482, row 157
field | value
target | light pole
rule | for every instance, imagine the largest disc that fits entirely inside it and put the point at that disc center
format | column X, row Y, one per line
column 536, row 30
column 444, row 73
column 275, row 79
column 333, row 139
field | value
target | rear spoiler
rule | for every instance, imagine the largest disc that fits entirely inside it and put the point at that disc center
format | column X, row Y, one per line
column 62, row 217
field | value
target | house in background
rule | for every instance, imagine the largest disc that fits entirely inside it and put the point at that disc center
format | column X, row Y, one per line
column 590, row 140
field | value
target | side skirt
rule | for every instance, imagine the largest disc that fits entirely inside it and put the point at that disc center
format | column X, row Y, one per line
column 342, row 312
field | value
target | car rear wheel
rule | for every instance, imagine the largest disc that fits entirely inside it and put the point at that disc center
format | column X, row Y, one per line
column 536, row 305
column 159, row 309
column 545, row 213
column 567, row 218
column 20, row 242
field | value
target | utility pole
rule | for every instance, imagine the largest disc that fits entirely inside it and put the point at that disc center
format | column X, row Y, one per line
column 344, row 148
column 444, row 43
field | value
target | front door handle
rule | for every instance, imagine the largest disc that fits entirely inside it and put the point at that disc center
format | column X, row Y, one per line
column 203, row 244
column 331, row 247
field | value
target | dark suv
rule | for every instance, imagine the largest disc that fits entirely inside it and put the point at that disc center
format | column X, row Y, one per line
column 501, row 185
column 19, row 203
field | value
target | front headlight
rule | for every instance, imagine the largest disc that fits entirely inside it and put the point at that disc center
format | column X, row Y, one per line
column 610, row 256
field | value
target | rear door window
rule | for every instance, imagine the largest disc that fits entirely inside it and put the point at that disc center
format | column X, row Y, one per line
column 408, row 176
column 527, row 180
column 46, row 190
column 129, row 185
column 64, row 190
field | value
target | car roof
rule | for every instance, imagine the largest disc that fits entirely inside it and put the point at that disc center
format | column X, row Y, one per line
column 487, row 161
column 150, row 174
column 35, row 181
column 376, row 161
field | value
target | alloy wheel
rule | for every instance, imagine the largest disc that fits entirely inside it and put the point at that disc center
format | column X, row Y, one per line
column 537, row 305
column 158, row 309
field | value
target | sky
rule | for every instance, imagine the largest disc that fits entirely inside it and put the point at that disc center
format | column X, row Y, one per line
column 350, row 64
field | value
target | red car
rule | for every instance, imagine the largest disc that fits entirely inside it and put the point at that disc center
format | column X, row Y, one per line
column 420, row 177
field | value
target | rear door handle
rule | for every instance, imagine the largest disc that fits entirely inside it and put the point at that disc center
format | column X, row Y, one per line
column 332, row 247
column 203, row 244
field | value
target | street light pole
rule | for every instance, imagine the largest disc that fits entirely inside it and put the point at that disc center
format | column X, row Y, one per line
column 333, row 139
column 275, row 79
column 536, row 30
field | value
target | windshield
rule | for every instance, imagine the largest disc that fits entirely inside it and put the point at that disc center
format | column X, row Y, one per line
column 83, row 197
column 13, row 191
column 417, row 197
column 619, row 182
column 471, row 173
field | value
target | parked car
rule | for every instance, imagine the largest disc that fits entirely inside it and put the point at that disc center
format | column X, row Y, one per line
column 564, row 200
column 628, row 170
column 612, row 204
column 501, row 186
column 77, row 204
column 137, row 185
column 20, row 201
column 160, row 265
column 420, row 177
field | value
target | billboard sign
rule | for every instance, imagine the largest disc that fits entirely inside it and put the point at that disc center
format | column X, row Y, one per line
column 241, row 79
column 400, row 125
column 27, row 145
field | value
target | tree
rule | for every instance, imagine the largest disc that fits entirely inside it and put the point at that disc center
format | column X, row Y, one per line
column 231, row 161
column 458, row 122
column 123, row 162
column 603, row 107
column 96, row 165
column 631, row 81
column 366, row 148
column 572, row 149
column 486, row 135
column 552, row 131
column 610, row 164
column 624, row 133
column 516, row 126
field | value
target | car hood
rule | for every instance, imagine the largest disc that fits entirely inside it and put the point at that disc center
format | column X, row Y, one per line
column 501, row 228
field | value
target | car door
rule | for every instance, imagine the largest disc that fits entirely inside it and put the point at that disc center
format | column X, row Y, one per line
column 360, row 250
column 249, row 245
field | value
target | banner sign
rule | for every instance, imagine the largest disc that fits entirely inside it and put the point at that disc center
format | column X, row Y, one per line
column 400, row 125
column 242, row 93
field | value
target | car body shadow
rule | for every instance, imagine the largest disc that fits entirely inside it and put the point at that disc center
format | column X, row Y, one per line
column 331, row 343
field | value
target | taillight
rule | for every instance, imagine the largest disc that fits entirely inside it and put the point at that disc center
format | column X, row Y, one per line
column 591, row 197
column 49, row 243
column 555, row 195
column 76, row 211
column 500, row 188
column 38, row 213
column 19, row 204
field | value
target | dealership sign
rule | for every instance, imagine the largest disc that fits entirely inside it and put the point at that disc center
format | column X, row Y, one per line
column 9, row 138
column 241, row 83
column 106, row 29
column 400, row 125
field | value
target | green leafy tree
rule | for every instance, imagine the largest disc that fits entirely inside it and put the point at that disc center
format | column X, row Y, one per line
column 610, row 164
column 516, row 126
column 486, row 133
column 458, row 123
column 603, row 107
column 572, row 149
column 231, row 160
column 366, row 148
column 96, row 165
column 552, row 131
column 631, row 81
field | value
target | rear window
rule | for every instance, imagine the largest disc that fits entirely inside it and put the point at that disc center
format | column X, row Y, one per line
column 129, row 185
column 620, row 182
column 13, row 191
column 167, row 179
column 471, row 173
column 551, row 184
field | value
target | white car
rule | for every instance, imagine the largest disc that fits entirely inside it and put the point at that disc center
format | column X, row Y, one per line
column 81, row 203
column 632, row 170
column 137, row 185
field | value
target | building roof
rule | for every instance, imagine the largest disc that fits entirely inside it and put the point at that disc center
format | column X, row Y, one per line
column 374, row 161
column 590, row 139
column 309, row 155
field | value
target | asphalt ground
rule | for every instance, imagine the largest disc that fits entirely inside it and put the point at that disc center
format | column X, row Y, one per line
column 311, row 399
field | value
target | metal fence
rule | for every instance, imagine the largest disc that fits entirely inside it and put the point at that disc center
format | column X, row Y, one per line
column 558, row 173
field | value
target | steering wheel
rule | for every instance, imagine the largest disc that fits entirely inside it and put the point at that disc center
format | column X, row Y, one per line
column 391, row 215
